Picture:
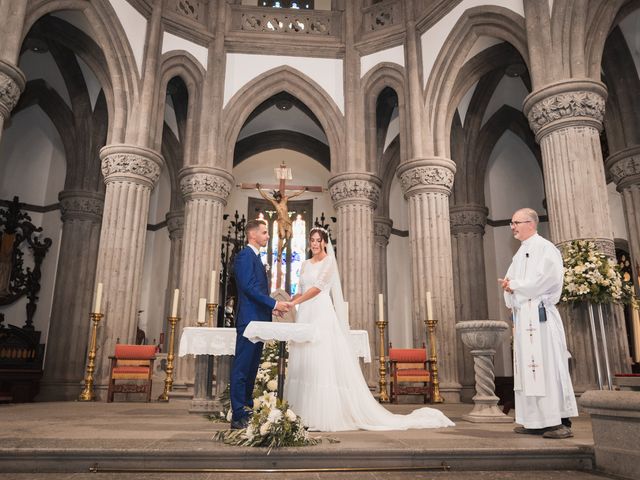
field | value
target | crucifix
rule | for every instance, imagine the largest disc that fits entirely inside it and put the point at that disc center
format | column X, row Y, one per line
column 279, row 199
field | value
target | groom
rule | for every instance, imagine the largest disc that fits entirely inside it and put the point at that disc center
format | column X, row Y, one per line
column 254, row 304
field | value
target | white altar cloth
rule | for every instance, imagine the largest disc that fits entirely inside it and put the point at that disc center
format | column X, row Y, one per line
column 207, row 341
column 222, row 341
column 301, row 333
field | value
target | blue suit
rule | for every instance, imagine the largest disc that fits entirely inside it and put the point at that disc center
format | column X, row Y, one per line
column 254, row 303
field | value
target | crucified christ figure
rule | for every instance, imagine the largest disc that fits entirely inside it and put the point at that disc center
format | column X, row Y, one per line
column 279, row 201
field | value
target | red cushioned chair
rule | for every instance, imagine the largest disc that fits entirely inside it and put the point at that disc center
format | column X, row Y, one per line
column 131, row 362
column 410, row 366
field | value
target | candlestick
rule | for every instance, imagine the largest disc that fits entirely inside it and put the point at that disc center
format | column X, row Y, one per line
column 168, row 381
column 87, row 394
column 97, row 299
column 429, row 307
column 381, row 324
column 174, row 304
column 212, row 288
column 202, row 306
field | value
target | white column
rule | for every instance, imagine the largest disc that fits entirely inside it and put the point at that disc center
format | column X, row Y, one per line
column 426, row 184
column 205, row 191
column 355, row 196
column 130, row 174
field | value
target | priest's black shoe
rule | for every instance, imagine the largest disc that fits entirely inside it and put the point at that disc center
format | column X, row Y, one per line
column 239, row 424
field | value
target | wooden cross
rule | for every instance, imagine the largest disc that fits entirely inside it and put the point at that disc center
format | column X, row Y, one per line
column 279, row 201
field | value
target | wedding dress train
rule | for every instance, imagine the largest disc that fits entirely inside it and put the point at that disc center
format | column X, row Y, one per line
column 324, row 383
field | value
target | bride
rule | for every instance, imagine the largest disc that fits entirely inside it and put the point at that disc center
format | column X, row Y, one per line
column 324, row 383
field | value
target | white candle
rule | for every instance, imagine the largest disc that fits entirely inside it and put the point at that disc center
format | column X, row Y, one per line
column 212, row 287
column 381, row 307
column 202, row 307
column 97, row 299
column 429, row 307
column 346, row 311
column 174, row 305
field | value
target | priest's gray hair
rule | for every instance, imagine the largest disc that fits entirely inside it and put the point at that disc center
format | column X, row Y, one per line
column 531, row 214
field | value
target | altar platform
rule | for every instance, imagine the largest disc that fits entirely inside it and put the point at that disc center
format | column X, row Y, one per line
column 67, row 440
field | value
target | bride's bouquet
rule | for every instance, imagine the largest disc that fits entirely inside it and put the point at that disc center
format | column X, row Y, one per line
column 591, row 276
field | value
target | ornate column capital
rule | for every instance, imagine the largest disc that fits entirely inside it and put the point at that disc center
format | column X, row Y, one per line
column 175, row 223
column 352, row 187
column 130, row 163
column 565, row 104
column 468, row 218
column 205, row 182
column 81, row 205
column 12, row 82
column 382, row 230
column 426, row 175
column 624, row 167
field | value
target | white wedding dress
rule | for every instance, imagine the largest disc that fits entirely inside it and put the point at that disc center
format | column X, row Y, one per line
column 324, row 383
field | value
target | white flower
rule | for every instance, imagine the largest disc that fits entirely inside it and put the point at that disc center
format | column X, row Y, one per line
column 272, row 385
column 290, row 415
column 265, row 365
column 250, row 433
column 229, row 415
column 274, row 415
column 264, row 428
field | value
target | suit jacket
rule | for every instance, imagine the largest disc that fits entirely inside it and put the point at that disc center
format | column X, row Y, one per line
column 254, row 302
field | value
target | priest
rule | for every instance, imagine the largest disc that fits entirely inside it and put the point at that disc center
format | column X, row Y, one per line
column 532, row 287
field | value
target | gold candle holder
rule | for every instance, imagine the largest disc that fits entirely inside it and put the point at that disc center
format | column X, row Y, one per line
column 87, row 394
column 384, row 398
column 168, row 381
column 433, row 357
column 211, row 310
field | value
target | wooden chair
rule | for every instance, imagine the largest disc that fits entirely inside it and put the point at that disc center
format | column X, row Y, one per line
column 131, row 362
column 410, row 366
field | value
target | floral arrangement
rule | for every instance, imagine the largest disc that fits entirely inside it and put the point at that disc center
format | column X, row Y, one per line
column 273, row 424
column 591, row 276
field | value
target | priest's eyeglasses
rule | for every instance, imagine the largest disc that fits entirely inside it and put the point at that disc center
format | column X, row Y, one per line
column 516, row 223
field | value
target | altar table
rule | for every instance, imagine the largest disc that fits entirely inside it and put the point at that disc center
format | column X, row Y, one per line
column 219, row 341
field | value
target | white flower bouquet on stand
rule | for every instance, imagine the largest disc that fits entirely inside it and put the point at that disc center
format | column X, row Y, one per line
column 592, row 277
column 273, row 424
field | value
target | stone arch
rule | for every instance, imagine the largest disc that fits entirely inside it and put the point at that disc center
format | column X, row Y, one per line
column 390, row 160
column 497, row 22
column 122, row 71
column 274, row 81
column 505, row 119
column 179, row 63
column 384, row 75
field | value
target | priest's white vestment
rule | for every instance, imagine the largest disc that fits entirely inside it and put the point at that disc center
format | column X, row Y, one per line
column 543, row 391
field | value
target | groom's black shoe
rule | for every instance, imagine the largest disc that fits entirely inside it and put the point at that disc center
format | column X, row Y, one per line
column 240, row 424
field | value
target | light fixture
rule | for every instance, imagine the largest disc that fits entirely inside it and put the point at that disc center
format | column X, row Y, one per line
column 515, row 70
column 284, row 104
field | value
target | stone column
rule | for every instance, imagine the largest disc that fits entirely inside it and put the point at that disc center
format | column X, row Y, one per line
column 566, row 118
column 175, row 226
column 205, row 191
column 426, row 184
column 130, row 173
column 624, row 168
column 354, row 197
column 470, row 286
column 381, row 234
column 12, row 82
column 69, row 327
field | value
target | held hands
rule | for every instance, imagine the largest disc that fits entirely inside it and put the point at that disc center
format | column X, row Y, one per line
column 504, row 283
column 281, row 308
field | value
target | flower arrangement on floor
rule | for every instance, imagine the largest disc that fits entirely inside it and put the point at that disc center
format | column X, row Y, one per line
column 591, row 276
column 273, row 424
